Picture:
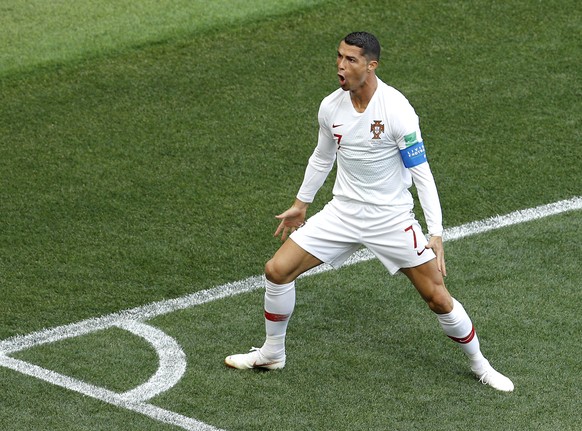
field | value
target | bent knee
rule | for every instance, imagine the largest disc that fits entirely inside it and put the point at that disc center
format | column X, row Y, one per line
column 440, row 302
column 276, row 272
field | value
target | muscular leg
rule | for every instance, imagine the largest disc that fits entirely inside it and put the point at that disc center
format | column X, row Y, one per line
column 429, row 282
column 287, row 264
column 455, row 322
column 451, row 315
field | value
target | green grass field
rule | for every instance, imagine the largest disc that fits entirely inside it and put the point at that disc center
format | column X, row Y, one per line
column 145, row 151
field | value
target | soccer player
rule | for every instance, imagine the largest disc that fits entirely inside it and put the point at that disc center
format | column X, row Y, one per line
column 373, row 132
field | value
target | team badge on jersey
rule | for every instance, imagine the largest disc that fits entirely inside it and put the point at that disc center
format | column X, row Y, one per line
column 377, row 128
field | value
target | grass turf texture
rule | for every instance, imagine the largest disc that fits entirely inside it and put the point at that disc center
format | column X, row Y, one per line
column 83, row 28
column 130, row 175
column 365, row 353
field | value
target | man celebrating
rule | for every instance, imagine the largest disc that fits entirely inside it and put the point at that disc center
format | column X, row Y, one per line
column 373, row 132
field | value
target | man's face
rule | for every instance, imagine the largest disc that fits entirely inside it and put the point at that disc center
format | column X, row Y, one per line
column 352, row 67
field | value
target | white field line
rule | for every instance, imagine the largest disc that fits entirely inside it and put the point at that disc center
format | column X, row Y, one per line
column 149, row 311
column 172, row 358
column 105, row 395
column 172, row 361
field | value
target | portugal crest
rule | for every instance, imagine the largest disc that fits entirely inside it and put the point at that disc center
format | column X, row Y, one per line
column 376, row 128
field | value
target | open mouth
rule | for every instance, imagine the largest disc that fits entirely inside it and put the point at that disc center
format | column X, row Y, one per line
column 342, row 79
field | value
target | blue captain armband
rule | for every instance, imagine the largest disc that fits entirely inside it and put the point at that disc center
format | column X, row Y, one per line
column 414, row 155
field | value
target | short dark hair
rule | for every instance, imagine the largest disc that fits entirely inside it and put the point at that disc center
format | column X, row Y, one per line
column 367, row 42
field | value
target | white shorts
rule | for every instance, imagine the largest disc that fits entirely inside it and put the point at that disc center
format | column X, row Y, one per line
column 343, row 226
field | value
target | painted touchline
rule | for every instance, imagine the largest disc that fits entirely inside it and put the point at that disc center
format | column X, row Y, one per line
column 172, row 358
column 149, row 311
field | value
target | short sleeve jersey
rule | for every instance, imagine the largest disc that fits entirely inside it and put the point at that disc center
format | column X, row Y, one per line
column 367, row 145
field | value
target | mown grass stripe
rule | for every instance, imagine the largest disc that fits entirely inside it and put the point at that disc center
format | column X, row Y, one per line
column 131, row 400
column 37, row 33
column 149, row 311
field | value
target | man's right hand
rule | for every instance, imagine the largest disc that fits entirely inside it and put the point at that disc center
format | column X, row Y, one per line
column 291, row 219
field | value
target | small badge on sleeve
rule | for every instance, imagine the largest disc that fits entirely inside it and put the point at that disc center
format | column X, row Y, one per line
column 414, row 155
column 410, row 139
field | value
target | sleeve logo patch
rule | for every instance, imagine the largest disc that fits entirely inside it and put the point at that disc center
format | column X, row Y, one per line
column 410, row 139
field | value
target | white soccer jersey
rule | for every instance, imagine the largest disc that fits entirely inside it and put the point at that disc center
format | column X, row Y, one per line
column 367, row 147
